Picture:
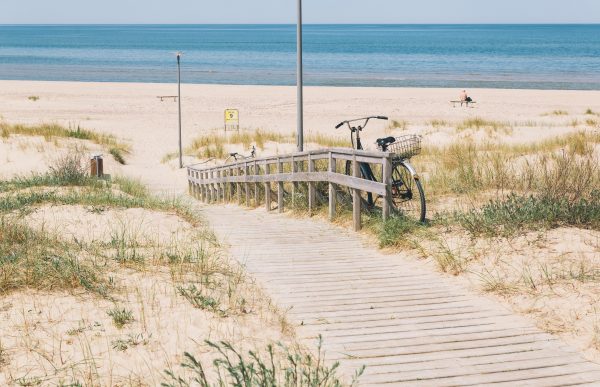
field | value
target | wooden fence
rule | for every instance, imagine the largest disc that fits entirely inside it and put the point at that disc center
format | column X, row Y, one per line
column 222, row 183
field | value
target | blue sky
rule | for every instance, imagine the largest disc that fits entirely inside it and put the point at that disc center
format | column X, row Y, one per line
column 316, row 11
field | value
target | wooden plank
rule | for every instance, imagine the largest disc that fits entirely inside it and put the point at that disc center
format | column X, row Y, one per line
column 407, row 324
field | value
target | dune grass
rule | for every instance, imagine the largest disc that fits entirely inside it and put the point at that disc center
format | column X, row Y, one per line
column 37, row 260
column 481, row 123
column 215, row 145
column 116, row 148
column 467, row 167
column 517, row 213
column 557, row 112
column 275, row 366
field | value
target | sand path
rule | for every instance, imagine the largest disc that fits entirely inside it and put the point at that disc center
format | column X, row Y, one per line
column 408, row 325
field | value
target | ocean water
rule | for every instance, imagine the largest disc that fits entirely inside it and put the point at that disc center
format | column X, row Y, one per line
column 498, row 56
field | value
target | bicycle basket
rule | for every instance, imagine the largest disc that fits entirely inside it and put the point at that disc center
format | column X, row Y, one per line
column 406, row 146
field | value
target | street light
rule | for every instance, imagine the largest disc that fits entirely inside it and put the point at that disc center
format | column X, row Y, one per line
column 299, row 82
column 179, row 54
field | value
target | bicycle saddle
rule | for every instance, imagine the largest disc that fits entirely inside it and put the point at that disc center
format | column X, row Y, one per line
column 384, row 142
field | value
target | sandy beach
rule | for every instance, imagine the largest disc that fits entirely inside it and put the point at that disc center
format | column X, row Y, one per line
column 133, row 112
column 559, row 303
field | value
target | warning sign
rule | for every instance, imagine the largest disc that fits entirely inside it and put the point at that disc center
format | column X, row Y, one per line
column 232, row 119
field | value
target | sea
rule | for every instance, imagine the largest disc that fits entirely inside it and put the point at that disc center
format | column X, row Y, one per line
column 490, row 56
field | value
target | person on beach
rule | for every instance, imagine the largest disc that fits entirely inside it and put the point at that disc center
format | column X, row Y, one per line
column 464, row 97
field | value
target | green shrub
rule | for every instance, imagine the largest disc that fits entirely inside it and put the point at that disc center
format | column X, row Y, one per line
column 517, row 213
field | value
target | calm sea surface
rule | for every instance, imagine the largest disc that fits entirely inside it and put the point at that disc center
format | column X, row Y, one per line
column 500, row 56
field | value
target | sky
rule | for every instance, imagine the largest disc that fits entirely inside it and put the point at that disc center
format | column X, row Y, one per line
column 284, row 11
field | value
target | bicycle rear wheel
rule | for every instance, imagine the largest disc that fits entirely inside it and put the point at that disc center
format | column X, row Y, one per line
column 408, row 196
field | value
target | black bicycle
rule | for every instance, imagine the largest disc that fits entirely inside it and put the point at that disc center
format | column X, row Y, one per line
column 408, row 196
column 237, row 157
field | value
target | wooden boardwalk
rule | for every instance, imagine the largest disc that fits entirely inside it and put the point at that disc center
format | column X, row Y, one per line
column 407, row 324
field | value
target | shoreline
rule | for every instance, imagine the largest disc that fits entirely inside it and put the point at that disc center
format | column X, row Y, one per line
column 309, row 85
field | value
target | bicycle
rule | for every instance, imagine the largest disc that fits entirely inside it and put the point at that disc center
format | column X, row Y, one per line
column 237, row 156
column 408, row 196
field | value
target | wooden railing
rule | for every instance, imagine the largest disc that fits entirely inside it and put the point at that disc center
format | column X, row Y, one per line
column 221, row 183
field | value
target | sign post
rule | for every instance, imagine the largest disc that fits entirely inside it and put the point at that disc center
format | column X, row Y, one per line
column 232, row 119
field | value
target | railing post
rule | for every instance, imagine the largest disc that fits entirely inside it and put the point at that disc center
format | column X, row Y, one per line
column 267, row 187
column 238, row 185
column 246, row 184
column 294, row 184
column 356, row 197
column 279, row 187
column 203, row 186
column 209, row 190
column 256, row 185
column 387, row 180
column 311, row 186
column 231, row 185
column 218, row 186
column 332, row 198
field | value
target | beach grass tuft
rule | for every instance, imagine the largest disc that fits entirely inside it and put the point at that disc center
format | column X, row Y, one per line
column 276, row 366
column 481, row 123
column 50, row 131
column 33, row 98
column 121, row 316
column 215, row 145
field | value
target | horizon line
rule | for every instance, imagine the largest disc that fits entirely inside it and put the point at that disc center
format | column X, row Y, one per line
column 306, row 24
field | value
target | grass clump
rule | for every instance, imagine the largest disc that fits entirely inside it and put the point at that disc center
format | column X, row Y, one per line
column 214, row 145
column 480, row 123
column 396, row 231
column 517, row 213
column 397, row 124
column 121, row 316
column 557, row 112
column 117, row 154
column 36, row 260
column 590, row 112
column 33, row 98
column 49, row 131
column 281, row 366
column 200, row 301
column 438, row 123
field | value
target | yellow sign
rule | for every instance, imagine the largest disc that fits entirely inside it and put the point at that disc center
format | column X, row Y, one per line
column 232, row 116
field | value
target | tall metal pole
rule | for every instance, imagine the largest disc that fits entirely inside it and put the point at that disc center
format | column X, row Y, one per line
column 179, row 100
column 299, row 82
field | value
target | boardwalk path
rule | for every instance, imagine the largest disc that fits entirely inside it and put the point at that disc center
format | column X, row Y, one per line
column 408, row 325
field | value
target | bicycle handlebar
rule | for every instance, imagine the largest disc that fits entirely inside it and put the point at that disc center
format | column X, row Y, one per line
column 366, row 119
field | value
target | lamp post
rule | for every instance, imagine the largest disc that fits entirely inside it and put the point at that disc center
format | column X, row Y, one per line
column 299, row 82
column 179, row 101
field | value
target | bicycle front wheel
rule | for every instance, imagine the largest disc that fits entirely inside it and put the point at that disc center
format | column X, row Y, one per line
column 408, row 196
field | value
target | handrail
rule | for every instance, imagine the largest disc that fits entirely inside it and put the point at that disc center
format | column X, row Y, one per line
column 218, row 183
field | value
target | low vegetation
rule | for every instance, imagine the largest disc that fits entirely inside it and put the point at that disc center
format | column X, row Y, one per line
column 30, row 259
column 49, row 131
column 277, row 366
column 218, row 144
column 33, row 98
column 121, row 316
column 480, row 123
